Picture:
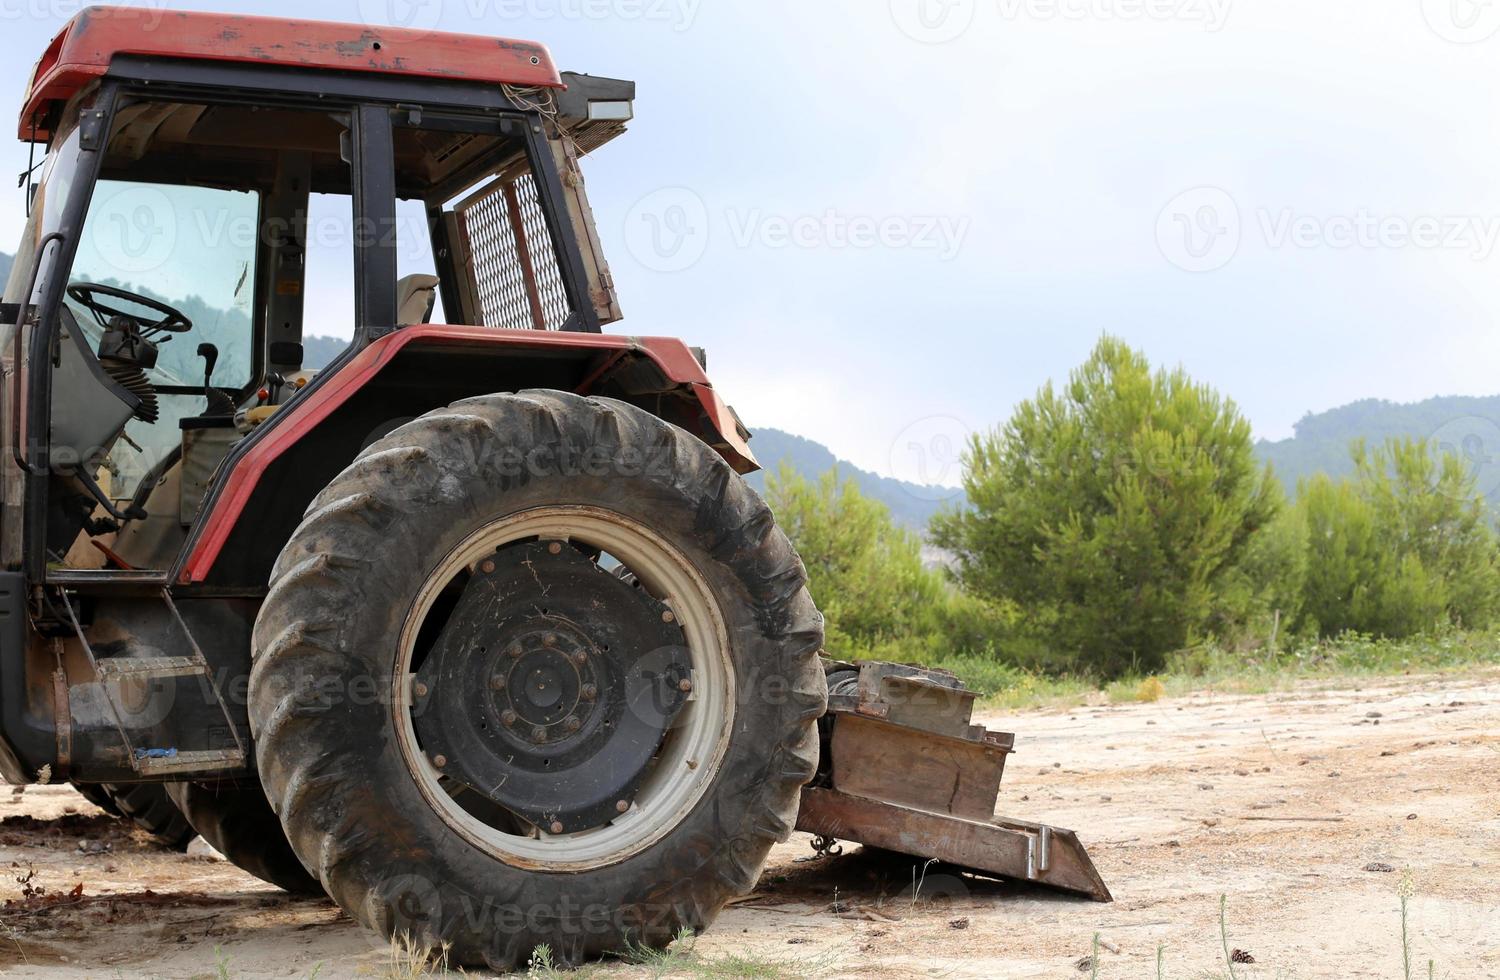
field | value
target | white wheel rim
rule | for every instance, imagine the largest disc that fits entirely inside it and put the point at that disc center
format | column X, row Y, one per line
column 694, row 747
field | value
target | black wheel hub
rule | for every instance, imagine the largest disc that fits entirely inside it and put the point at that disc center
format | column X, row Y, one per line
column 551, row 687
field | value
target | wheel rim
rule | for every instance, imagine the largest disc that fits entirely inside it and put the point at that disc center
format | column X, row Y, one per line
column 689, row 757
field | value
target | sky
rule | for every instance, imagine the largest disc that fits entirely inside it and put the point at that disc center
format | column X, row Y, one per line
column 889, row 221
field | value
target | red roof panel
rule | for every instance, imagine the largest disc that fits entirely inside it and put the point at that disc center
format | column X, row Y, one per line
column 84, row 49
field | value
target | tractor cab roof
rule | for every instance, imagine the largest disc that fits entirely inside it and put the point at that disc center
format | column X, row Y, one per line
column 86, row 47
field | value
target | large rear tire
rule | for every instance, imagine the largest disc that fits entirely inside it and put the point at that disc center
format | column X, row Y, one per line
column 363, row 585
column 235, row 818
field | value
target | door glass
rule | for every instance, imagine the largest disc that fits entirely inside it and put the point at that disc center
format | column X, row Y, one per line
column 194, row 249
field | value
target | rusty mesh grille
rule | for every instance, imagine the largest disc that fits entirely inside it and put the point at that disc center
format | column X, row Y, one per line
column 518, row 282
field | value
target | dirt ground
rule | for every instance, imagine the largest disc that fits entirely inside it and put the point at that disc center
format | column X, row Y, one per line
column 1293, row 805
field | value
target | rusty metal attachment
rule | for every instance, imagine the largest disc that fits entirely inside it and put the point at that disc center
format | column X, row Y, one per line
column 905, row 769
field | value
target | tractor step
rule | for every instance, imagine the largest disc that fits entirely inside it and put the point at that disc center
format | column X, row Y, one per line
column 112, row 668
column 153, row 761
column 149, row 763
column 906, row 770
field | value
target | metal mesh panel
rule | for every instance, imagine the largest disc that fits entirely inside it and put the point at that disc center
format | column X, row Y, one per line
column 518, row 282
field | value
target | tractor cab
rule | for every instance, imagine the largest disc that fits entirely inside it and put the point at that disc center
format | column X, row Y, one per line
column 194, row 220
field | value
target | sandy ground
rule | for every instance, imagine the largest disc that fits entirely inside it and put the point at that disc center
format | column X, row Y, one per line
column 1179, row 802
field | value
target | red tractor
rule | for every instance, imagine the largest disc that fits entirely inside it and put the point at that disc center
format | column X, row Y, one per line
column 478, row 629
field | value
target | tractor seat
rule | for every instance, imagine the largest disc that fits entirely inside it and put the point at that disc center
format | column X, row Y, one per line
column 416, row 296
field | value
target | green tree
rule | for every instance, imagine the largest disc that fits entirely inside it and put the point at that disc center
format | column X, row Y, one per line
column 1113, row 511
column 864, row 572
column 1402, row 548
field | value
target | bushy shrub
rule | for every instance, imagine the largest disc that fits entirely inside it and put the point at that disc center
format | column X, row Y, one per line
column 1116, row 512
column 1402, row 548
column 866, row 574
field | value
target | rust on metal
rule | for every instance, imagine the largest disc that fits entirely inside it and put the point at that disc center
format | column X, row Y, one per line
column 1048, row 856
column 907, row 770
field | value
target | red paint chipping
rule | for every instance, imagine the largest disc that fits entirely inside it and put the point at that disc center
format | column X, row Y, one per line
column 84, row 49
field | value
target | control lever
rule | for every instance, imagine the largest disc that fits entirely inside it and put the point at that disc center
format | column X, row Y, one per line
column 218, row 402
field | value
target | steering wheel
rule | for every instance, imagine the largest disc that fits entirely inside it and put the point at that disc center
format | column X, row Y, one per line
column 87, row 294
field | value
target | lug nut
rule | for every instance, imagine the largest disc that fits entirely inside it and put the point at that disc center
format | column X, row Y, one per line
column 514, row 651
column 550, row 640
column 497, row 683
column 667, row 617
column 420, row 690
column 440, row 761
column 622, row 806
column 486, row 566
column 508, row 716
column 554, row 548
column 589, row 692
column 573, row 724
column 684, row 685
column 556, row 827
column 580, row 658
column 539, row 734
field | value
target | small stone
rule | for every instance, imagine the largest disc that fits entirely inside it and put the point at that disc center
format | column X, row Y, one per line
column 1242, row 772
column 1380, row 867
column 958, row 924
column 202, row 850
column 1411, row 816
column 1205, row 785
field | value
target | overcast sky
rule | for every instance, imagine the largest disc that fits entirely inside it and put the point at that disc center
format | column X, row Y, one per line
column 890, row 220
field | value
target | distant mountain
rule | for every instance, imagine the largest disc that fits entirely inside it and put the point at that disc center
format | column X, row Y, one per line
column 318, row 352
column 6, row 261
column 911, row 504
column 1467, row 426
